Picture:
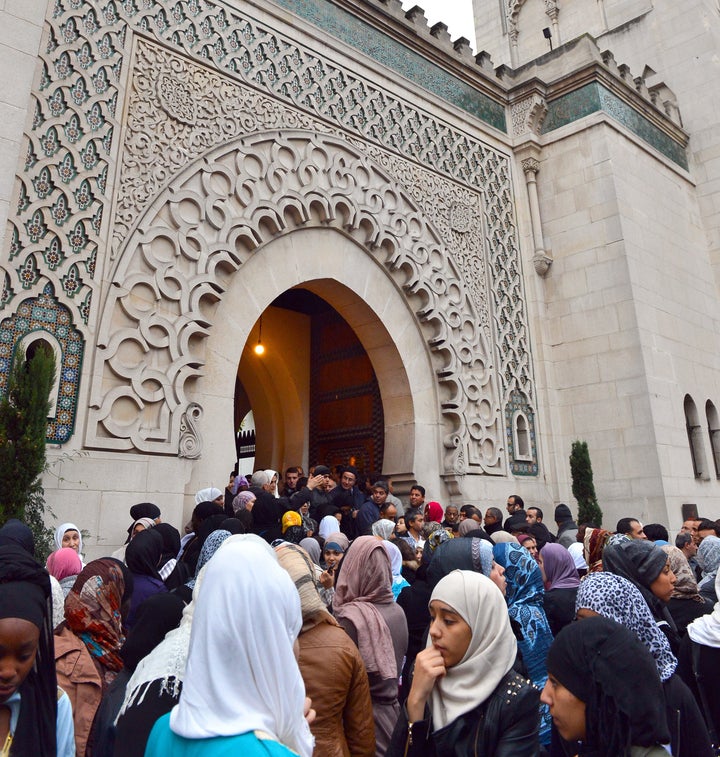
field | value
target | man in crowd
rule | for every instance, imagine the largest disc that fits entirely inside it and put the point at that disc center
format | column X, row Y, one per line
column 631, row 527
column 317, row 492
column 690, row 526
column 705, row 528
column 514, row 506
column 369, row 512
column 686, row 544
column 417, row 497
column 292, row 476
column 537, row 528
column 452, row 518
column 414, row 520
column 493, row 520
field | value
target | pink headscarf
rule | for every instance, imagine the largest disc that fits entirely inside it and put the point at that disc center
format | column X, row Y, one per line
column 433, row 512
column 364, row 581
column 64, row 562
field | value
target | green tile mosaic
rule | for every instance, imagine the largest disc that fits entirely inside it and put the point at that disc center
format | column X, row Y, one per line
column 593, row 98
column 391, row 53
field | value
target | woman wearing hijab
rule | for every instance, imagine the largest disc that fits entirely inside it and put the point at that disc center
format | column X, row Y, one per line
column 142, row 558
column 395, row 557
column 383, row 529
column 68, row 535
column 65, row 565
column 364, row 607
column 433, row 512
column 686, row 603
column 561, row 585
column 708, row 557
column 328, row 525
column 209, row 548
column 272, row 482
column 254, row 706
column 336, row 545
column 525, row 596
column 39, row 715
column 603, row 691
column 647, row 566
column 331, row 667
column 15, row 532
column 594, row 543
column 157, row 615
column 87, row 645
column 172, row 572
column 618, row 599
column 465, row 699
column 292, row 527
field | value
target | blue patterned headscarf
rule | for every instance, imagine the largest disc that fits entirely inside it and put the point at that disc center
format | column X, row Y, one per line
column 524, row 595
column 209, row 548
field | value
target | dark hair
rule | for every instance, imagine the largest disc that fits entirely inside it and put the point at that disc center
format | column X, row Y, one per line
column 496, row 512
column 385, row 505
column 538, row 510
column 655, row 531
column 419, row 488
column 407, row 552
column 624, row 525
column 411, row 515
column 469, row 510
column 292, row 469
column 708, row 525
column 517, row 500
column 683, row 539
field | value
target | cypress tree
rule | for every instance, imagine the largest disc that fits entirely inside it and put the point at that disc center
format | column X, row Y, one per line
column 24, row 409
column 583, row 488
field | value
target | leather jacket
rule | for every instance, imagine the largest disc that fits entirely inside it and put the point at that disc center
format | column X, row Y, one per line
column 504, row 725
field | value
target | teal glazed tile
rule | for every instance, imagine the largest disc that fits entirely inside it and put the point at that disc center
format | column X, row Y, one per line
column 391, row 53
column 593, row 98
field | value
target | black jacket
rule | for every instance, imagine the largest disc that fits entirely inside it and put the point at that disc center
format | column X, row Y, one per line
column 505, row 725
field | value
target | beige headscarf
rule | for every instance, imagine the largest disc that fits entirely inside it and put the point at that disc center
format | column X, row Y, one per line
column 491, row 652
column 503, row 537
column 686, row 585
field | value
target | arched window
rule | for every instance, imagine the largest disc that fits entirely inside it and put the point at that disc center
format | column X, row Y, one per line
column 695, row 438
column 521, row 437
column 713, row 423
column 30, row 344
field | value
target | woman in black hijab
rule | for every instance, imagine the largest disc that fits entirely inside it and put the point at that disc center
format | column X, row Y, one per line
column 647, row 566
column 603, row 690
column 28, row 686
column 172, row 572
column 16, row 532
column 142, row 558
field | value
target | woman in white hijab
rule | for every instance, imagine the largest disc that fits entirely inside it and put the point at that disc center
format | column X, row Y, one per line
column 242, row 684
column 68, row 535
column 272, row 482
column 465, row 698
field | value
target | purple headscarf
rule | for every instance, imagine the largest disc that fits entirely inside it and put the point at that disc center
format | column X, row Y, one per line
column 559, row 567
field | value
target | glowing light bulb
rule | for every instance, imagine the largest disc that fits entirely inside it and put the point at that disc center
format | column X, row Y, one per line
column 259, row 349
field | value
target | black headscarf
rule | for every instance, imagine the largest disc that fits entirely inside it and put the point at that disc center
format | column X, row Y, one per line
column 156, row 616
column 142, row 510
column 605, row 665
column 16, row 532
column 641, row 562
column 143, row 554
column 233, row 525
column 455, row 554
column 171, row 541
column 25, row 594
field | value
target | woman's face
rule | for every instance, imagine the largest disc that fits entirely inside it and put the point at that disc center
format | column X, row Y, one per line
column 305, row 508
column 531, row 546
column 332, row 558
column 138, row 528
column 273, row 483
column 71, row 538
column 497, row 576
column 449, row 633
column 568, row 712
column 662, row 587
column 400, row 526
column 18, row 647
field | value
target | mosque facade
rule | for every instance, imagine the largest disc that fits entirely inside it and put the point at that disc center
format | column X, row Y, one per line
column 523, row 243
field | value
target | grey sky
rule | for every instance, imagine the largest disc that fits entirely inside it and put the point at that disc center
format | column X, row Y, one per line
column 456, row 14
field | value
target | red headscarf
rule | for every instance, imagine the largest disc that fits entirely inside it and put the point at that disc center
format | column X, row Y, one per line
column 433, row 512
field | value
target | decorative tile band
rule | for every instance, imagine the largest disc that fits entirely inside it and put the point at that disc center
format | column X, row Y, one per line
column 382, row 48
column 594, row 98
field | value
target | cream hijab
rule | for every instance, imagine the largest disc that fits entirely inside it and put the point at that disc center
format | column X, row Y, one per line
column 489, row 656
column 241, row 672
column 706, row 629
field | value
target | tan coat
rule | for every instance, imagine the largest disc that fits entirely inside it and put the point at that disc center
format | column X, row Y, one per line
column 79, row 678
column 336, row 681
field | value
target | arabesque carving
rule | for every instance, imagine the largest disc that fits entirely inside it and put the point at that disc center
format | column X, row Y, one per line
column 225, row 206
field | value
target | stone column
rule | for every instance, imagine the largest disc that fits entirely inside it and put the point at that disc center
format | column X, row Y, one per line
column 541, row 260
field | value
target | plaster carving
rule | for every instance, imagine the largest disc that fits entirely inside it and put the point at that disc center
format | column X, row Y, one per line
column 225, row 206
column 190, row 445
column 527, row 116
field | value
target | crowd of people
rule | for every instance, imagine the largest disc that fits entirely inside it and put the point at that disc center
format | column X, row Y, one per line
column 322, row 615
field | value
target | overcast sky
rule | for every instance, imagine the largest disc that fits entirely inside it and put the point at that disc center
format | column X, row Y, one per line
column 456, row 14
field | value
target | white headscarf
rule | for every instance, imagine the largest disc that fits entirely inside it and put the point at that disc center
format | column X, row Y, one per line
column 492, row 648
column 706, row 629
column 270, row 473
column 207, row 495
column 241, row 672
column 577, row 551
column 328, row 525
column 60, row 532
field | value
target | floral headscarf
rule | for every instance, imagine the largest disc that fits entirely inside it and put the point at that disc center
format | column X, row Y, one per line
column 595, row 541
column 620, row 600
column 92, row 611
column 686, row 584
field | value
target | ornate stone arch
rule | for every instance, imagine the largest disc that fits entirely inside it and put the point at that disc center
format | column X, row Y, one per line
column 176, row 265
